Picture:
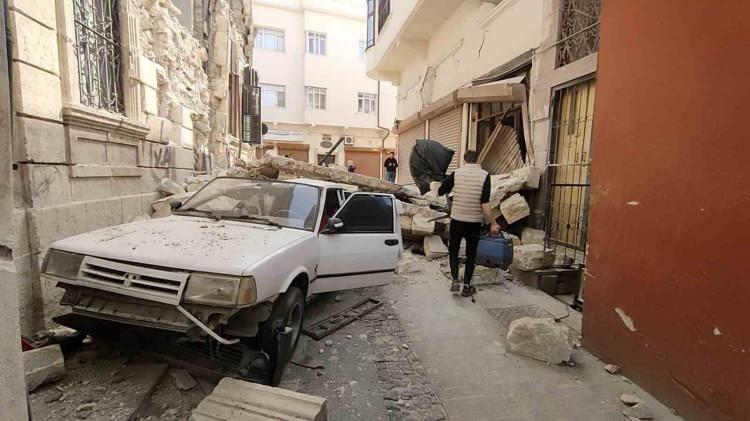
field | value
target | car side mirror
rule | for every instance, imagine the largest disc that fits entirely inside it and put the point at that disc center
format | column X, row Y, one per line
column 333, row 226
column 175, row 204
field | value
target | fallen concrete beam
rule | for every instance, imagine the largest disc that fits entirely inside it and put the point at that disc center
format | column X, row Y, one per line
column 307, row 170
column 237, row 400
column 43, row 365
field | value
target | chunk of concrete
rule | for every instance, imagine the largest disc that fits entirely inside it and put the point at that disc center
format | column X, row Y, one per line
column 182, row 379
column 514, row 208
column 434, row 247
column 529, row 256
column 541, row 339
column 422, row 226
column 612, row 368
column 629, row 399
column 503, row 186
column 234, row 400
column 529, row 175
column 43, row 365
column 169, row 187
column 640, row 411
column 532, row 236
column 162, row 207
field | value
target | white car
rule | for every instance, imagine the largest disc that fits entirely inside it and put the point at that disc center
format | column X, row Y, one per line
column 236, row 261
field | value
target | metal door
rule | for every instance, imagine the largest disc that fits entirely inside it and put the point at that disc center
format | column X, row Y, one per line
column 569, row 171
column 446, row 129
column 406, row 142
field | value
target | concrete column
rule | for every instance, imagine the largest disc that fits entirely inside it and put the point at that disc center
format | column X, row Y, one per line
column 12, row 383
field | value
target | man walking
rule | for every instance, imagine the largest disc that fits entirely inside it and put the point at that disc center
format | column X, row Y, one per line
column 390, row 165
column 470, row 185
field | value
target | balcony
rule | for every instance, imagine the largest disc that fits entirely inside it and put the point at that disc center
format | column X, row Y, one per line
column 405, row 35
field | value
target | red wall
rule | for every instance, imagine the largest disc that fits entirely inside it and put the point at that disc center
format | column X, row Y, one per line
column 669, row 234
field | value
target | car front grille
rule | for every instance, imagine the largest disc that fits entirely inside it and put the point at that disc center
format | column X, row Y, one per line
column 137, row 281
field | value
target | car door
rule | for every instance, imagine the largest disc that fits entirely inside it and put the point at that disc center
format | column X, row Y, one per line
column 364, row 252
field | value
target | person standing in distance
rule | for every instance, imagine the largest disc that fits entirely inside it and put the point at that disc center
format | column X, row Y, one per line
column 470, row 185
column 390, row 165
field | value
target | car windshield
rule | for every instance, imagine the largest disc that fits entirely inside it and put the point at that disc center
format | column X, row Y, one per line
column 268, row 202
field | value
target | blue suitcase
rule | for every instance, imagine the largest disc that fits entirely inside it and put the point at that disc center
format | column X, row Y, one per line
column 494, row 252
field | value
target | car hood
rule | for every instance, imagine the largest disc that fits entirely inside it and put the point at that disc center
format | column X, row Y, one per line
column 187, row 243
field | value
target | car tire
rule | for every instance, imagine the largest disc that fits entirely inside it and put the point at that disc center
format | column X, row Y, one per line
column 288, row 311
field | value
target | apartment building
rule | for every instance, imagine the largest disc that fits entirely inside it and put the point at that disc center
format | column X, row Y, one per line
column 310, row 57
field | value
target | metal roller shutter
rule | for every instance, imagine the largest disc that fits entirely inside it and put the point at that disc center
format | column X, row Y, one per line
column 406, row 142
column 446, row 129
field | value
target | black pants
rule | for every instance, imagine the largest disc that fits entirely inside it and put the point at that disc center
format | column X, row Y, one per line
column 470, row 232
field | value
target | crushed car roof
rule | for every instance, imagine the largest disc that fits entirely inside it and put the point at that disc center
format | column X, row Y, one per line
column 312, row 182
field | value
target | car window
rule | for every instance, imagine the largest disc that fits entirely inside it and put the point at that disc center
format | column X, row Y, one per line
column 367, row 214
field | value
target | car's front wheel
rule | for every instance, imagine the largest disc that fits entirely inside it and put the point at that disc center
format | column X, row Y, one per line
column 288, row 312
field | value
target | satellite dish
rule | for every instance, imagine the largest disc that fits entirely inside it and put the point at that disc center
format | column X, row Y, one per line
column 326, row 144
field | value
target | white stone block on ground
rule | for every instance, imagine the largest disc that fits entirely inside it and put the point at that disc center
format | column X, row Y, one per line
column 541, row 339
column 529, row 256
column 234, row 400
column 434, row 247
column 169, row 187
column 43, row 365
column 529, row 175
column 532, row 236
column 514, row 208
column 421, row 226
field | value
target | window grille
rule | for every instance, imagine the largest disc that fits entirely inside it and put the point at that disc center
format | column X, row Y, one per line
column 316, row 43
column 98, row 52
column 269, row 39
column 579, row 30
column 316, row 98
column 366, row 103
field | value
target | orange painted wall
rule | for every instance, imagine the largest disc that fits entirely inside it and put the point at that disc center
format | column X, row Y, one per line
column 669, row 233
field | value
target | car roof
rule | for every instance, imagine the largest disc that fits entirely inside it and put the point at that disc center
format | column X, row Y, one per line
column 316, row 183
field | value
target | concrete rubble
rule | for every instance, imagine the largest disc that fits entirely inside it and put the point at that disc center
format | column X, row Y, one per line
column 238, row 400
column 514, row 208
column 434, row 247
column 639, row 411
column 541, row 339
column 43, row 365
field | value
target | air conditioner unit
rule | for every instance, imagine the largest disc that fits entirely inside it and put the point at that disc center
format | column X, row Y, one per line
column 348, row 140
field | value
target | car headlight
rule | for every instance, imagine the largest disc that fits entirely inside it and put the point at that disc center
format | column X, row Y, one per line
column 62, row 264
column 206, row 288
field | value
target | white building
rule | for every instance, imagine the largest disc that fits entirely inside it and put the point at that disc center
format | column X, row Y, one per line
column 310, row 56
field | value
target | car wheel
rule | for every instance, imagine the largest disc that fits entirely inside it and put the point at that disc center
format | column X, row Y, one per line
column 288, row 311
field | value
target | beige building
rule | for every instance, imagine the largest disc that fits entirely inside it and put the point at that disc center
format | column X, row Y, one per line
column 468, row 67
column 310, row 56
column 109, row 97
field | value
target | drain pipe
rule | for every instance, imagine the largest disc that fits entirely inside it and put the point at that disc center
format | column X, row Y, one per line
column 387, row 133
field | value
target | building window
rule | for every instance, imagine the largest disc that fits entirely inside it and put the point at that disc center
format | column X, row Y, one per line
column 384, row 10
column 370, row 23
column 316, row 98
column 269, row 39
column 235, row 92
column 579, row 30
column 367, row 103
column 362, row 49
column 316, row 43
column 98, row 52
column 273, row 96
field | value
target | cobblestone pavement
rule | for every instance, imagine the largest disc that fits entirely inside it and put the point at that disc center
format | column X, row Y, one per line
column 370, row 370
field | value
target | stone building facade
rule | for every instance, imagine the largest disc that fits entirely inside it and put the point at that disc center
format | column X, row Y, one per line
column 110, row 97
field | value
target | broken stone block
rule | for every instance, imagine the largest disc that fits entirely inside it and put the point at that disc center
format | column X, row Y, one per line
column 422, row 226
column 234, row 399
column 162, row 207
column 514, row 208
column 529, row 175
column 514, row 239
column 640, row 411
column 43, row 365
column 541, row 339
column 629, row 399
column 612, row 368
column 503, row 186
column 434, row 247
column 169, row 187
column 532, row 236
column 529, row 256
column 182, row 379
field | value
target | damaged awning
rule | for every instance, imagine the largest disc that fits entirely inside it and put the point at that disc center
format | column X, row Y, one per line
column 507, row 90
